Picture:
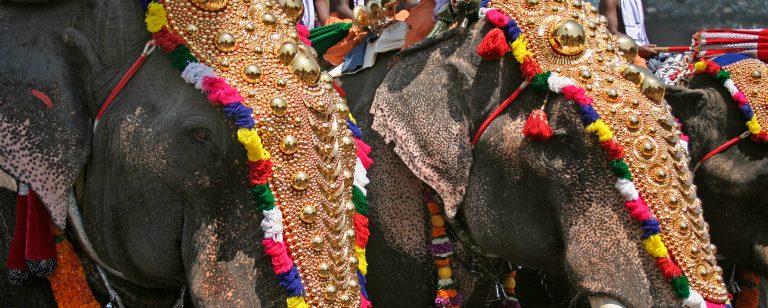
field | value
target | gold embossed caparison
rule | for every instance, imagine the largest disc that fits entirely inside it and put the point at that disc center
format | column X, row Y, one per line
column 566, row 48
column 250, row 52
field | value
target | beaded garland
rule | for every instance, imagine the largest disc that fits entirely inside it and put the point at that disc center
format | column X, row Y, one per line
column 565, row 45
column 308, row 280
column 739, row 73
column 442, row 248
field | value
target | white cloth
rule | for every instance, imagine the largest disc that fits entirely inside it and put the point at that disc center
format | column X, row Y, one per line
column 309, row 14
column 634, row 20
column 391, row 38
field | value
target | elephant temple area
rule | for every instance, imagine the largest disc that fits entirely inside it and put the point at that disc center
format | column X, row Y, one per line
column 393, row 153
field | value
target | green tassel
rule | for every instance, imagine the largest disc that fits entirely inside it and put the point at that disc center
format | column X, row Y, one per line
column 361, row 204
column 180, row 57
column 539, row 82
column 621, row 169
column 680, row 287
column 722, row 76
column 265, row 201
column 325, row 37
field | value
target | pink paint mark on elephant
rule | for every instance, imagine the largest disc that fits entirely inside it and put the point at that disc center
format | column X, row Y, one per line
column 44, row 98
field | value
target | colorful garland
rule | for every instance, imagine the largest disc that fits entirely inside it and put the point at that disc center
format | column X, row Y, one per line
column 219, row 92
column 68, row 283
column 551, row 81
column 715, row 69
column 442, row 248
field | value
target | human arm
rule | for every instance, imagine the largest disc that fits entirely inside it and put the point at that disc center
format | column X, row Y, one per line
column 343, row 10
column 610, row 9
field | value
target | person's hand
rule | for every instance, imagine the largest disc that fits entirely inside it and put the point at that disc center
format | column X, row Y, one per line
column 646, row 52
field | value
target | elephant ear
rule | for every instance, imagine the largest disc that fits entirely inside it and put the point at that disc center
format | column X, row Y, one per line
column 420, row 107
column 44, row 127
column 685, row 102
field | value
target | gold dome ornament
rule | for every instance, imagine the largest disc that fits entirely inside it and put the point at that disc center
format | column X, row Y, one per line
column 225, row 42
column 279, row 106
column 377, row 12
column 307, row 50
column 627, row 47
column 308, row 214
column 653, row 88
column 634, row 74
column 300, row 181
column 251, row 73
column 287, row 51
column 294, row 9
column 361, row 17
column 568, row 38
column 306, row 69
column 290, row 145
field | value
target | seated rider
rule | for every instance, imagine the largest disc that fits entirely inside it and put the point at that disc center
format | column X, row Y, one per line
column 626, row 16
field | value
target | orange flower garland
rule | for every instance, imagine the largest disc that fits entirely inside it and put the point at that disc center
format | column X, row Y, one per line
column 70, row 289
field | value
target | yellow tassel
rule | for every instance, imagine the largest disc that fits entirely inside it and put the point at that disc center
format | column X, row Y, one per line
column 753, row 126
column 249, row 137
column 655, row 247
column 700, row 66
column 352, row 118
column 155, row 17
column 520, row 48
column 362, row 264
column 296, row 302
column 600, row 129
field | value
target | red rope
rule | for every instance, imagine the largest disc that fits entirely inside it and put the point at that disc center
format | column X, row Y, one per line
column 720, row 149
column 126, row 78
column 498, row 111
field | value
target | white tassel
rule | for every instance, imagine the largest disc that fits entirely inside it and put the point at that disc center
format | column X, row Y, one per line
column 361, row 177
column 731, row 86
column 23, row 189
column 627, row 189
column 273, row 225
column 557, row 83
column 481, row 12
column 444, row 282
column 695, row 300
column 195, row 72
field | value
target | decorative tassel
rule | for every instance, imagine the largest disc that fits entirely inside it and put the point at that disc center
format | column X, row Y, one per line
column 16, row 264
column 40, row 251
column 749, row 295
column 536, row 126
column 493, row 46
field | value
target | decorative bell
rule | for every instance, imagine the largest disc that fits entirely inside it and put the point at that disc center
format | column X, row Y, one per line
column 474, row 268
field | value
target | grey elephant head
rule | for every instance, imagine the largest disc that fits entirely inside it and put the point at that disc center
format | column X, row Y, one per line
column 731, row 182
column 165, row 179
column 548, row 205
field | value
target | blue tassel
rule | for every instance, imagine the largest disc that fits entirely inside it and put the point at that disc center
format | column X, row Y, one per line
column 361, row 281
column 240, row 114
column 484, row 3
column 650, row 227
column 511, row 30
column 747, row 110
column 588, row 114
column 145, row 4
column 355, row 130
column 291, row 282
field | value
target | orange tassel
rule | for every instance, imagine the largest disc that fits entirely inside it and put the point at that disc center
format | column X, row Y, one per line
column 748, row 297
column 493, row 46
column 70, row 289
column 536, row 126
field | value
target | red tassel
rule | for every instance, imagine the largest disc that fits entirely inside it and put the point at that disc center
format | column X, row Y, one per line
column 536, row 126
column 40, row 249
column 493, row 46
column 17, row 267
column 761, row 137
column 668, row 268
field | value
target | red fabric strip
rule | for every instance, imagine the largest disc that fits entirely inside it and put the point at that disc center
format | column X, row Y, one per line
column 16, row 253
column 39, row 244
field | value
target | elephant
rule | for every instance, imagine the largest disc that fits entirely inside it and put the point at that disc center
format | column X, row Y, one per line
column 161, row 182
column 731, row 182
column 525, row 201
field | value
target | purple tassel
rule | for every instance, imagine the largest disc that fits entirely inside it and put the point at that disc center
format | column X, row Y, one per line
column 437, row 249
column 291, row 282
column 240, row 114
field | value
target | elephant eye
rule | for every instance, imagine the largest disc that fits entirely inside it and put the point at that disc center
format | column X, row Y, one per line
column 200, row 135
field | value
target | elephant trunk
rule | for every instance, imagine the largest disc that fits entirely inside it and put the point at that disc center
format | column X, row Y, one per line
column 215, row 280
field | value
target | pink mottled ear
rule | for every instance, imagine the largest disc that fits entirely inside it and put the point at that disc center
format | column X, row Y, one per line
column 420, row 108
column 44, row 143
